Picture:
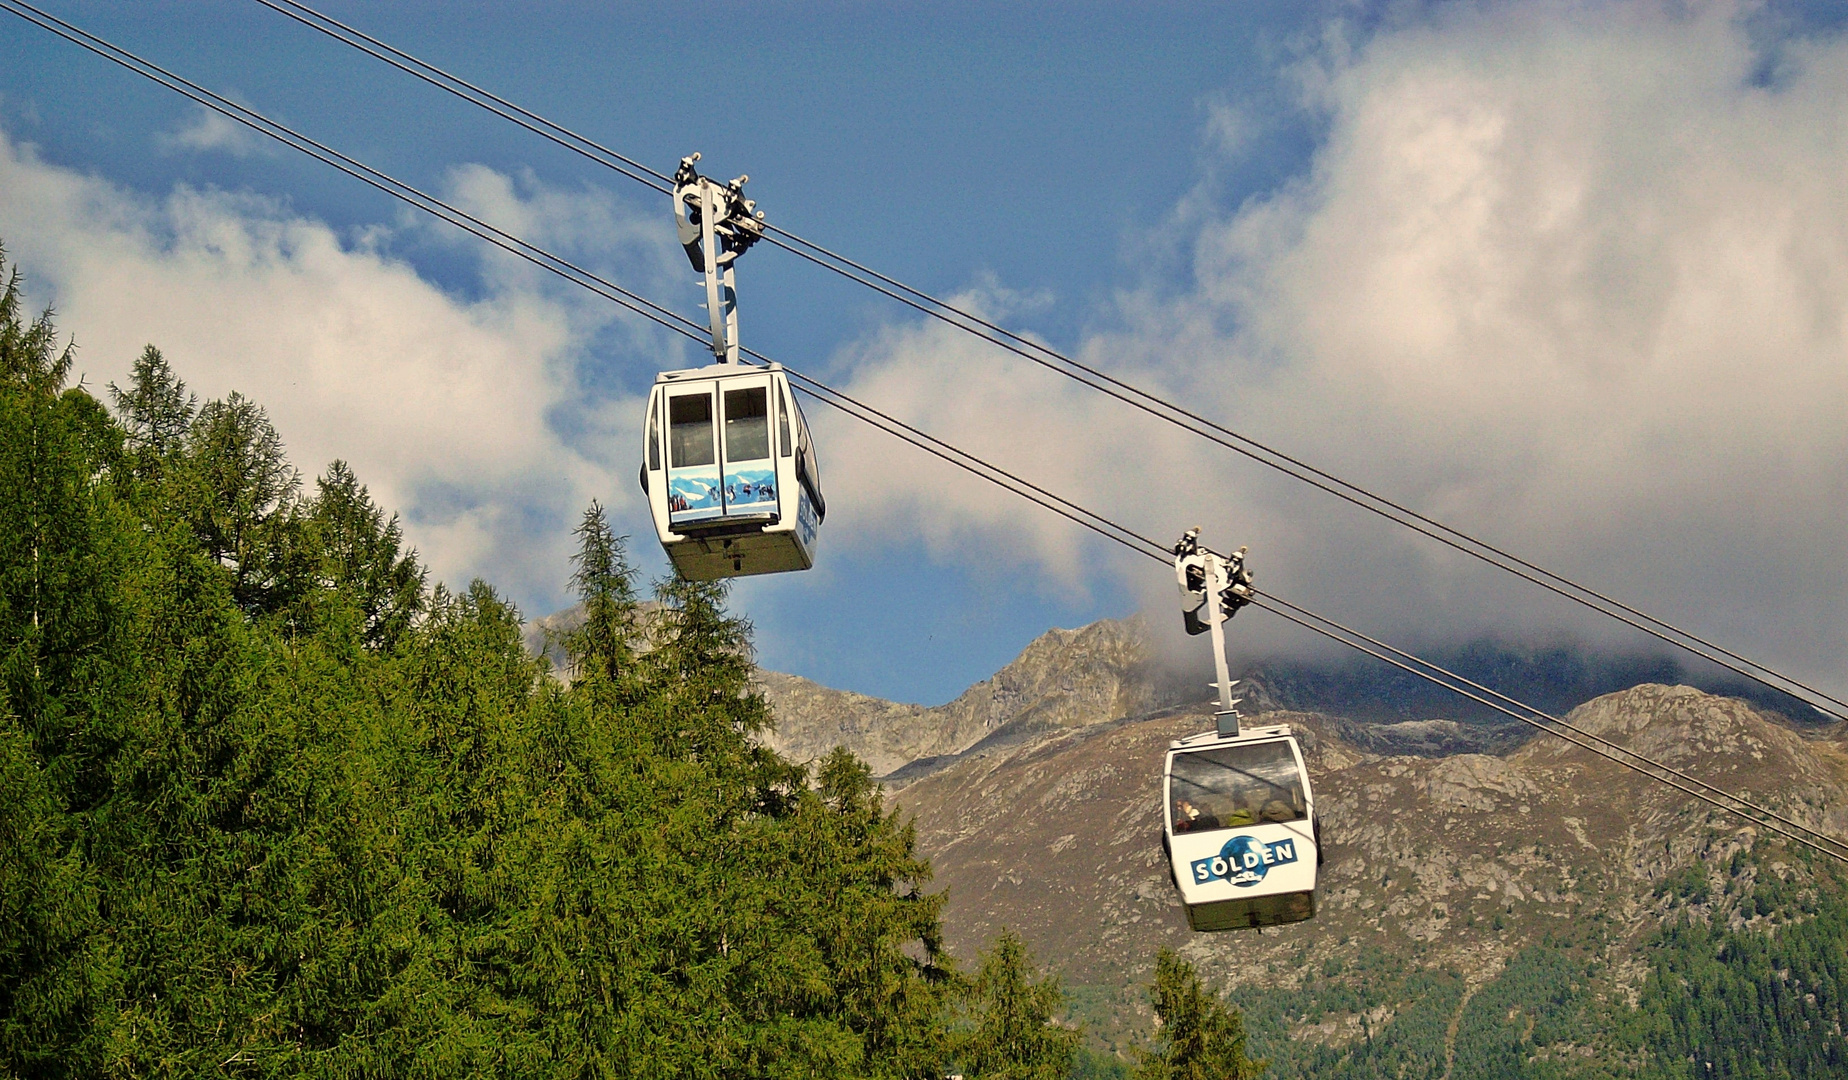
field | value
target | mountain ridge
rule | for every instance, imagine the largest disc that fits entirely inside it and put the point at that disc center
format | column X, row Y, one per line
column 1448, row 864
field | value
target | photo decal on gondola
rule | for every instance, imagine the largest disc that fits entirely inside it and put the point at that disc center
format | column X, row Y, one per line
column 1243, row 861
column 807, row 521
column 750, row 490
column 693, row 494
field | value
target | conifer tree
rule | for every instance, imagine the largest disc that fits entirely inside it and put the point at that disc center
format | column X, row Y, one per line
column 701, row 667
column 604, row 645
column 361, row 557
column 57, row 610
column 61, row 684
column 1014, row 1036
column 1201, row 1037
column 234, row 840
column 880, row 929
column 240, row 494
column 156, row 413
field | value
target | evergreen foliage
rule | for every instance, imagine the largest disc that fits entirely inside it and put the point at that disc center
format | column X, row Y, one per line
column 1768, row 1002
column 156, row 413
column 1201, row 1038
column 1012, row 1035
column 272, row 806
column 604, row 646
column 1089, row 1064
column 361, row 558
column 1745, row 973
column 239, row 493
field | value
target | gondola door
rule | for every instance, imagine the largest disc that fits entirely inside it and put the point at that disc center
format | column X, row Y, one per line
column 749, row 482
column 694, row 481
column 730, row 475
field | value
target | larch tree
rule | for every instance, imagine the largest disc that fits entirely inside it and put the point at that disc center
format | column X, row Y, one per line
column 1201, row 1037
column 1014, row 1035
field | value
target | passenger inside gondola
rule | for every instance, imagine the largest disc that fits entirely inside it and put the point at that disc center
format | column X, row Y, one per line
column 1188, row 818
column 1236, row 786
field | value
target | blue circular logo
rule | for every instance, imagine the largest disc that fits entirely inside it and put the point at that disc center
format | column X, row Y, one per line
column 1245, row 861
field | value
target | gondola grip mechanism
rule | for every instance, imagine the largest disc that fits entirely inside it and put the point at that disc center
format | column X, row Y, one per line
column 715, row 223
column 1204, row 575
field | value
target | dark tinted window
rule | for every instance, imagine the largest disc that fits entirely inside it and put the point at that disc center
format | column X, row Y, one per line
column 782, row 422
column 808, row 466
column 654, row 434
column 689, row 420
column 1236, row 786
column 747, row 424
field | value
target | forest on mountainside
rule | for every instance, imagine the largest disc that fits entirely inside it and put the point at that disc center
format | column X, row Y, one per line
column 1746, row 980
column 271, row 804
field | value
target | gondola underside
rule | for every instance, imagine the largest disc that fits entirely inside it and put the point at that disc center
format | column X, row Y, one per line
column 731, row 551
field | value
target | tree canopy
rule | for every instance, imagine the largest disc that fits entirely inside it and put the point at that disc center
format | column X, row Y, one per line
column 1013, row 1034
column 1201, row 1037
column 275, row 805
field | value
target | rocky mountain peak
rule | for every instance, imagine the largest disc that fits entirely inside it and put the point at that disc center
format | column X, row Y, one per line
column 1063, row 678
column 1687, row 729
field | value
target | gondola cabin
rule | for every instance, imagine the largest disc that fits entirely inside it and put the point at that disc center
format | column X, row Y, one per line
column 1240, row 829
column 730, row 472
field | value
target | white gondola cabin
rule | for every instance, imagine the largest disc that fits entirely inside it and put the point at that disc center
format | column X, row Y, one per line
column 731, row 473
column 1240, row 830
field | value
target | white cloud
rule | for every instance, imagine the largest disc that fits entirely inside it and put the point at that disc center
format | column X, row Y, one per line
column 1004, row 409
column 209, row 130
column 470, row 416
column 1564, row 276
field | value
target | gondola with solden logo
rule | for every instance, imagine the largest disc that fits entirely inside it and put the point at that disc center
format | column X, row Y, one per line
column 1239, row 829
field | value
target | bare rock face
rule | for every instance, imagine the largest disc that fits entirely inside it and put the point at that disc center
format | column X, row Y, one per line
column 1474, row 782
column 1423, row 738
column 1719, row 740
column 812, row 719
column 1680, row 725
column 1064, row 678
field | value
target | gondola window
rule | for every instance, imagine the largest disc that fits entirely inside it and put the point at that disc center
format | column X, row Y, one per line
column 747, row 424
column 782, row 423
column 1235, row 787
column 690, row 425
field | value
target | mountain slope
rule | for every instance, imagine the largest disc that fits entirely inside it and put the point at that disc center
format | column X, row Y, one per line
column 1109, row 669
column 1442, row 871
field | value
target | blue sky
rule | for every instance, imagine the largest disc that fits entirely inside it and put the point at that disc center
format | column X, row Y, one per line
column 1500, row 260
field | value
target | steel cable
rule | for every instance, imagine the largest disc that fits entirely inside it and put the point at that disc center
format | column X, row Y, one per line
column 473, row 94
column 1759, row 816
column 1097, row 523
column 1539, row 719
column 1121, row 390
